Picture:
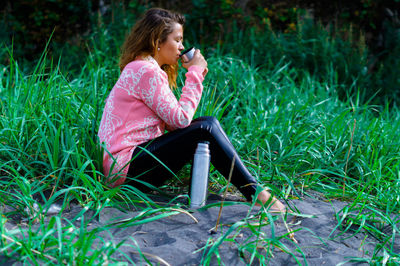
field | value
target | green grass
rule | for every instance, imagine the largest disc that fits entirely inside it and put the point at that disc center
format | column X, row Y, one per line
column 302, row 137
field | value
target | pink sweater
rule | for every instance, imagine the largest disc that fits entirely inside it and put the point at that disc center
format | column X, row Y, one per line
column 139, row 108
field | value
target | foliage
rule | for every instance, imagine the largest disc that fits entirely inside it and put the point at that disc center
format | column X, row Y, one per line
column 358, row 41
column 303, row 137
column 31, row 23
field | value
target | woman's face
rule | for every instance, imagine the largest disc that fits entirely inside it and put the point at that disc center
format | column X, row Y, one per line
column 171, row 49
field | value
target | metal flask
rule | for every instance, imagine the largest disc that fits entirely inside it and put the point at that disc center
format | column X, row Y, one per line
column 200, row 169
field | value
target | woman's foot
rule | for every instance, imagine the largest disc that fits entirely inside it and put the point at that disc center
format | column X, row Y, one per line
column 274, row 205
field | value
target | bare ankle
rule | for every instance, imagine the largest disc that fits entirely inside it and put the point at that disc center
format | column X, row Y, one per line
column 274, row 204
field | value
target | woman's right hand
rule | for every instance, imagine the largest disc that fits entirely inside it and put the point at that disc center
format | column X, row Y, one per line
column 197, row 60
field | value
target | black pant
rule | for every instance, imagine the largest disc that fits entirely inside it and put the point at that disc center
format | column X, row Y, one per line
column 176, row 148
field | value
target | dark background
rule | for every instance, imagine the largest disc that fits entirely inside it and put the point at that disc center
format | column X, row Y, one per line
column 28, row 25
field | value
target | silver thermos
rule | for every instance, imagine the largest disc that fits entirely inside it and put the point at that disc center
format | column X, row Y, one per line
column 200, row 169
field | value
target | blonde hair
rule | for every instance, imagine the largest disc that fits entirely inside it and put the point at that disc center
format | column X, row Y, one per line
column 146, row 35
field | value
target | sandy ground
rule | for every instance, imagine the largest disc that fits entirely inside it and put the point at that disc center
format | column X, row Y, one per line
column 180, row 240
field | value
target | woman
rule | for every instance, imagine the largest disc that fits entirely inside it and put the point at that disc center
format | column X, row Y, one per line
column 141, row 106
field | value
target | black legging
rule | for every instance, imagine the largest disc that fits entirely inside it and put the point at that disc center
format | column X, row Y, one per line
column 176, row 148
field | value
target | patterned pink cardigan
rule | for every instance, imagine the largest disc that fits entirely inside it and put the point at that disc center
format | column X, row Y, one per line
column 139, row 108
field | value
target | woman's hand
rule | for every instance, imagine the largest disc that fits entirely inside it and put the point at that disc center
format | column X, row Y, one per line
column 197, row 60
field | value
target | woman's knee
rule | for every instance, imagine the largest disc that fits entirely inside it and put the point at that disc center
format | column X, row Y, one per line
column 207, row 123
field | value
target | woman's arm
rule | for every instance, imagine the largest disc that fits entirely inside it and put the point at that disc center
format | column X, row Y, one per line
column 157, row 95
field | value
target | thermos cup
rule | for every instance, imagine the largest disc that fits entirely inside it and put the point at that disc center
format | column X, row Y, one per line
column 189, row 53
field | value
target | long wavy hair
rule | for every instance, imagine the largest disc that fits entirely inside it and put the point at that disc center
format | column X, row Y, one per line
column 147, row 34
